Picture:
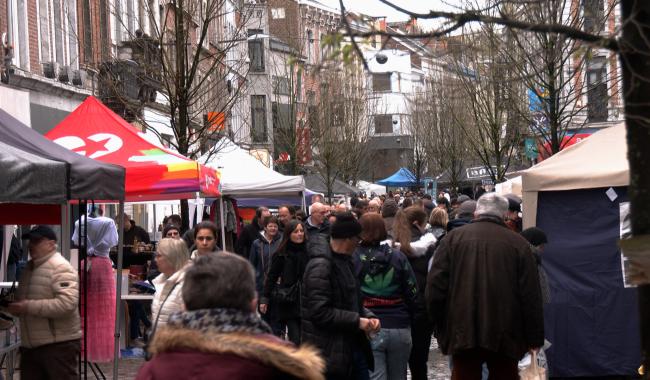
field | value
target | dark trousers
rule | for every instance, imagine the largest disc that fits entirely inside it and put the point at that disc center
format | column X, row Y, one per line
column 137, row 314
column 468, row 365
column 293, row 330
column 421, row 336
column 57, row 361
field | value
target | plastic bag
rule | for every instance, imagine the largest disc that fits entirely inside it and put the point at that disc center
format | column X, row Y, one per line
column 533, row 371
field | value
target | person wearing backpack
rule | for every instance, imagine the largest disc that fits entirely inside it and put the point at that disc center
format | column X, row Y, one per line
column 389, row 290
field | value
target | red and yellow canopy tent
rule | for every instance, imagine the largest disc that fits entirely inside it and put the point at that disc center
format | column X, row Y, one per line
column 152, row 172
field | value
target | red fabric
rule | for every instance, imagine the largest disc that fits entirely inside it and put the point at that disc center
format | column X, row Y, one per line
column 100, row 316
column 24, row 213
column 204, row 366
column 97, row 132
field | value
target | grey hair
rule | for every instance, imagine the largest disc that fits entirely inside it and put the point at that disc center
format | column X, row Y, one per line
column 175, row 251
column 221, row 280
column 491, row 204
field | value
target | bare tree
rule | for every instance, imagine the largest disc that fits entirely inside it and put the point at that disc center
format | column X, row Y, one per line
column 434, row 114
column 550, row 66
column 339, row 122
column 491, row 94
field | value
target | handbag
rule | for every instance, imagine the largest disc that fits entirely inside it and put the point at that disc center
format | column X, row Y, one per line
column 289, row 294
column 533, row 371
column 147, row 354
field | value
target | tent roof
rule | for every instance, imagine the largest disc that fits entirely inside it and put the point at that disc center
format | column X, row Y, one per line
column 243, row 175
column 27, row 178
column 152, row 172
column 402, row 177
column 315, row 182
column 88, row 179
column 597, row 161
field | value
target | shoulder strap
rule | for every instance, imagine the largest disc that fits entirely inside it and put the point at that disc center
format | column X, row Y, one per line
column 155, row 325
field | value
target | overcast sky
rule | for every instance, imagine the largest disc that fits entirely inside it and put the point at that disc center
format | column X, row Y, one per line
column 376, row 8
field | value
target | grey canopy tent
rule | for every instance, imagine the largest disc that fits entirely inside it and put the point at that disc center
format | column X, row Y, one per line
column 84, row 179
column 315, row 182
column 22, row 172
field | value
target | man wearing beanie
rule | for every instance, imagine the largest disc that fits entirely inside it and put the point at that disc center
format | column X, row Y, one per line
column 333, row 318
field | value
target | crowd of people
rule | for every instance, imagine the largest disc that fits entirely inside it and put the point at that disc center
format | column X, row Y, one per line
column 352, row 291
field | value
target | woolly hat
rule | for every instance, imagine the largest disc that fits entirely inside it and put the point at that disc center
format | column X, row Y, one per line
column 463, row 198
column 39, row 232
column 345, row 226
column 466, row 209
column 535, row 236
column 389, row 208
column 170, row 227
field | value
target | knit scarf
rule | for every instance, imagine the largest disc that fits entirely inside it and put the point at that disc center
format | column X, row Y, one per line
column 219, row 320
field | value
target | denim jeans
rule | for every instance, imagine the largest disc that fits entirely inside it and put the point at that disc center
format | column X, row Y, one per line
column 391, row 349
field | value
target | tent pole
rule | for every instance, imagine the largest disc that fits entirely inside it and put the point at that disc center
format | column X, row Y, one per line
column 223, row 225
column 118, row 292
column 65, row 230
column 303, row 202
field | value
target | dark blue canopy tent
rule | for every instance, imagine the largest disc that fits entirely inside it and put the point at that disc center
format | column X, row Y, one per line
column 401, row 178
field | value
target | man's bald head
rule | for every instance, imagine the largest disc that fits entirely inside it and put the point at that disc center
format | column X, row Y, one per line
column 318, row 213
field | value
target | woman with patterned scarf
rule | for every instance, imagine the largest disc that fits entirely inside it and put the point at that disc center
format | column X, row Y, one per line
column 220, row 336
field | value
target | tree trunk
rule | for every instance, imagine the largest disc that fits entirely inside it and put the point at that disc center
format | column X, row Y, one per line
column 636, row 87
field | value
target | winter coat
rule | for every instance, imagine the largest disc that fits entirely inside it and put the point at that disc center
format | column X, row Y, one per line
column 388, row 222
column 422, row 246
column 250, row 233
column 261, row 253
column 331, row 308
column 458, row 222
column 287, row 268
column 50, row 286
column 173, row 301
column 184, row 353
column 388, row 284
column 483, row 291
column 311, row 230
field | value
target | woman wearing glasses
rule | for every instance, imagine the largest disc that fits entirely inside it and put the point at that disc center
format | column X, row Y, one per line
column 172, row 258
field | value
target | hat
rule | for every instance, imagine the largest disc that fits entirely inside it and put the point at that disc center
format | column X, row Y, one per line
column 514, row 202
column 462, row 198
column 345, row 226
column 466, row 209
column 389, row 208
column 535, row 236
column 40, row 231
column 170, row 227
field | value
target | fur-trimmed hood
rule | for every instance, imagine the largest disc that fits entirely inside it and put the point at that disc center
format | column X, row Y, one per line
column 302, row 362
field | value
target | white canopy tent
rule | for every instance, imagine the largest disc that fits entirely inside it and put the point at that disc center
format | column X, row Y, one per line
column 243, row 176
column 511, row 186
column 369, row 187
column 597, row 161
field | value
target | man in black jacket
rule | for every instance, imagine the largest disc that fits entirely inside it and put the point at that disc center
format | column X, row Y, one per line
column 333, row 318
column 484, row 296
column 251, row 232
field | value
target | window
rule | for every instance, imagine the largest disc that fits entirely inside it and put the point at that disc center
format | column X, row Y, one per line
column 593, row 15
column 20, row 33
column 281, row 116
column 256, row 51
column 166, row 139
column 310, row 46
column 381, row 82
column 383, row 124
column 597, row 90
column 338, row 113
column 57, row 21
column 280, row 85
column 259, row 133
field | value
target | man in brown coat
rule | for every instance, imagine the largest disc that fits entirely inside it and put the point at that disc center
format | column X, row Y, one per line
column 483, row 295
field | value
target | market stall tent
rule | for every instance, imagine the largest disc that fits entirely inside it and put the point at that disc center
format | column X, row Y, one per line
column 243, row 176
column 401, row 178
column 315, row 182
column 88, row 179
column 579, row 197
column 152, row 173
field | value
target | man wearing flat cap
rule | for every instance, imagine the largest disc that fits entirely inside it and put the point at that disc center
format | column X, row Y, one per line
column 46, row 304
column 333, row 317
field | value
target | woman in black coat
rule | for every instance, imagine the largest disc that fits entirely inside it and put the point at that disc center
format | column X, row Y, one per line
column 282, row 286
